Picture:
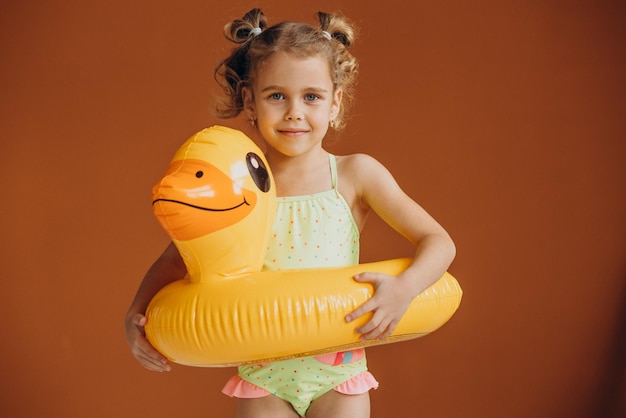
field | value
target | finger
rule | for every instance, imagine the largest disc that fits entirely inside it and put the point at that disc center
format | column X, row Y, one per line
column 153, row 360
column 374, row 327
column 369, row 277
column 156, row 367
column 149, row 363
column 379, row 327
column 137, row 322
column 367, row 307
column 141, row 320
column 370, row 325
column 147, row 355
column 371, row 335
column 379, row 333
column 387, row 332
column 154, row 357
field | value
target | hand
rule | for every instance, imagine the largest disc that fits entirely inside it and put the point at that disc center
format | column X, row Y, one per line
column 143, row 351
column 388, row 304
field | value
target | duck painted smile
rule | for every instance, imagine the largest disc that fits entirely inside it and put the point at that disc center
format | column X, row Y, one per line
column 195, row 198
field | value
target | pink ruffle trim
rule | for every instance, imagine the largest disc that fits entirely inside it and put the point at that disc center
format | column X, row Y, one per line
column 240, row 388
column 360, row 383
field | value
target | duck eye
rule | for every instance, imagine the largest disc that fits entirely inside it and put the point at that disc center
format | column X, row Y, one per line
column 258, row 172
column 199, row 174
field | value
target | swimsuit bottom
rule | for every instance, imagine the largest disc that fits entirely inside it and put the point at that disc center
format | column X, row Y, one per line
column 300, row 381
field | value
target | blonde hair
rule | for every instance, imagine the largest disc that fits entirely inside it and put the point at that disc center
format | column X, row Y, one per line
column 257, row 42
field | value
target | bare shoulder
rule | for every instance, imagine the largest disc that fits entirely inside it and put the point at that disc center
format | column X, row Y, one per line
column 359, row 165
column 366, row 179
column 364, row 171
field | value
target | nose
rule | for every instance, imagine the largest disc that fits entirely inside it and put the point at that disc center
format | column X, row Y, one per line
column 294, row 113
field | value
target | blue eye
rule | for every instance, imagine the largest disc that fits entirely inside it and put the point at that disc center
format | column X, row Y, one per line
column 311, row 97
column 276, row 96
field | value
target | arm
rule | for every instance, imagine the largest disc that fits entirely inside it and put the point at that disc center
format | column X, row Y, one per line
column 434, row 253
column 167, row 268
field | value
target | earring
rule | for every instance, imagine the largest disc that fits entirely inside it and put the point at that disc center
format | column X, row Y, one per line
column 252, row 122
column 332, row 123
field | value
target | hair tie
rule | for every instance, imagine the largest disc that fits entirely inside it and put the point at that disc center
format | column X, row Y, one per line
column 254, row 32
column 327, row 35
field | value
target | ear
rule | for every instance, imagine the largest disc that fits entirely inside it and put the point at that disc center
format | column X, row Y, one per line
column 248, row 103
column 336, row 104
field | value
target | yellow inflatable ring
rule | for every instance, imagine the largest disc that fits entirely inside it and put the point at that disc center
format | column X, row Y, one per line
column 217, row 202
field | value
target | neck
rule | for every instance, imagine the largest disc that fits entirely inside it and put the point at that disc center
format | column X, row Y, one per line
column 281, row 163
column 300, row 175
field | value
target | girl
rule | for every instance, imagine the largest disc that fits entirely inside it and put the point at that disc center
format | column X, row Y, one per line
column 293, row 81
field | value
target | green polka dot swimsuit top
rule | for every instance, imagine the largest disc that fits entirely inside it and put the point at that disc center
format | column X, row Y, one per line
column 315, row 230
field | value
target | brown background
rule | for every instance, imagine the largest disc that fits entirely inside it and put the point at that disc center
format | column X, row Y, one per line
column 505, row 119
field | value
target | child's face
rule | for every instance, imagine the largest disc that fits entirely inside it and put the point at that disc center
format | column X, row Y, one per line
column 293, row 102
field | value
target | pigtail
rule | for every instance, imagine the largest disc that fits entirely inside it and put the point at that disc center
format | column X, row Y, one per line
column 342, row 34
column 242, row 30
column 232, row 72
column 338, row 27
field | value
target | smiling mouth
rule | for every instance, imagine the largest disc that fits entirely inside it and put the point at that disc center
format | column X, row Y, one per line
column 293, row 131
column 200, row 207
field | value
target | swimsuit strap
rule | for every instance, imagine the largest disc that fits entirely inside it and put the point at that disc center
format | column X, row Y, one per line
column 333, row 170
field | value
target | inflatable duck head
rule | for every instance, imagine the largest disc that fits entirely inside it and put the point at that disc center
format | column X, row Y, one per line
column 216, row 201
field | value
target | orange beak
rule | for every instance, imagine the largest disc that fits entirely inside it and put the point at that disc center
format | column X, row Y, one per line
column 194, row 199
